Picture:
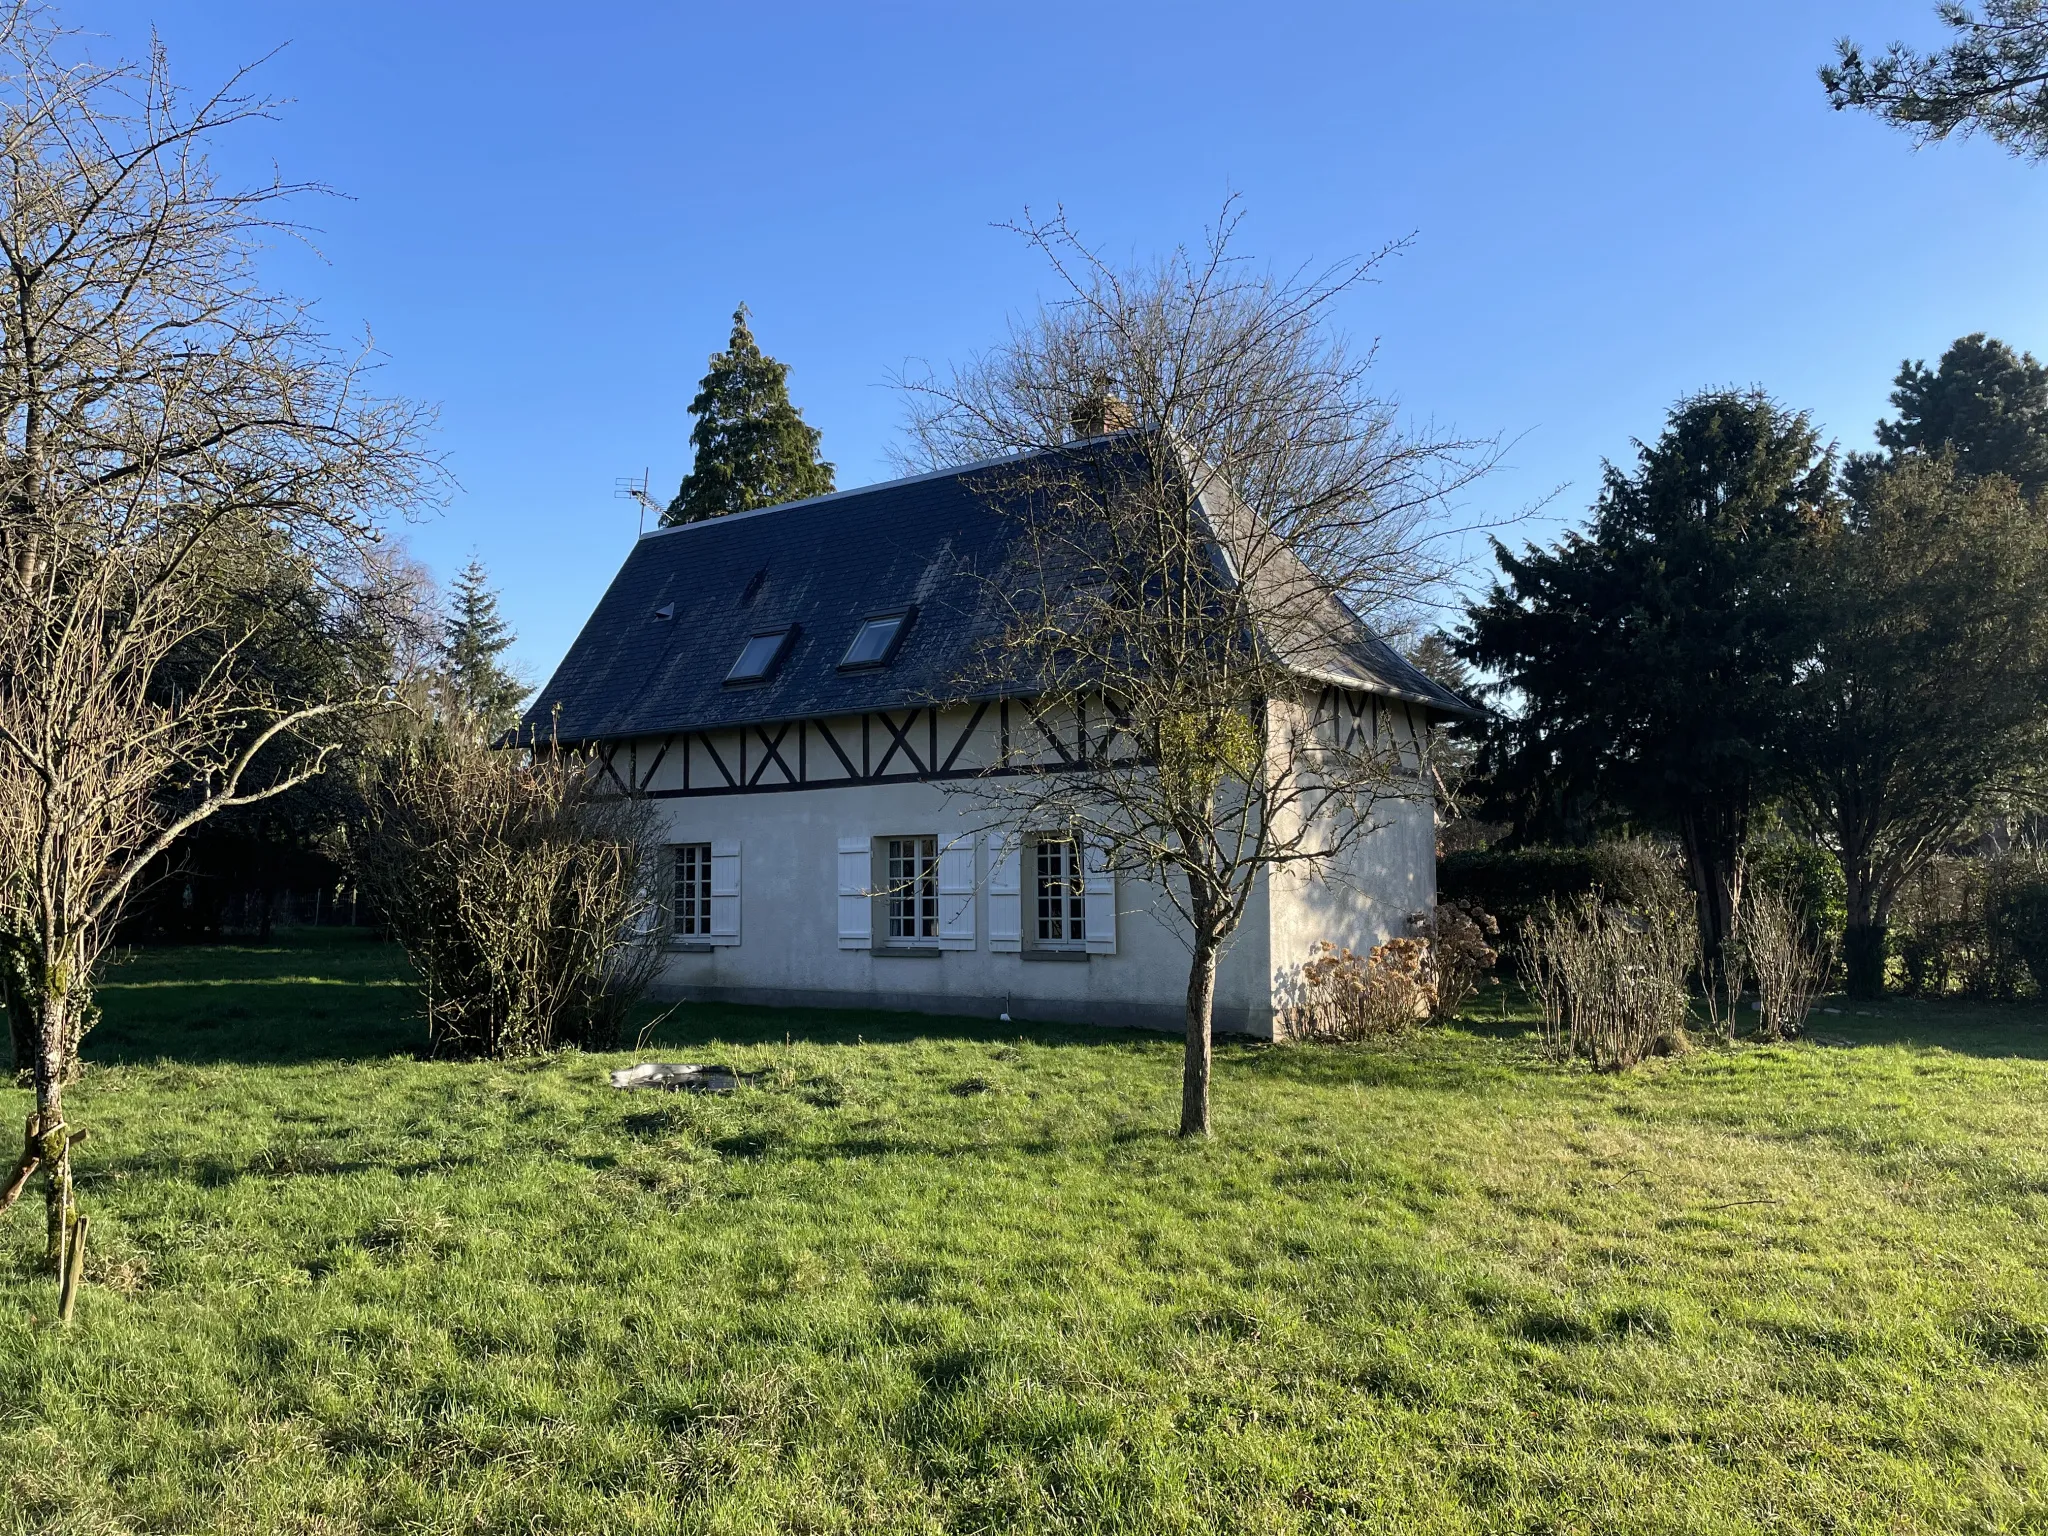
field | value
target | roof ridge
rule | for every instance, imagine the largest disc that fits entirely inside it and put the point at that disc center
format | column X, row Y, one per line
column 950, row 470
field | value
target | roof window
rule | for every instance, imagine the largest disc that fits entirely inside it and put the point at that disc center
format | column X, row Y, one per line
column 758, row 657
column 875, row 642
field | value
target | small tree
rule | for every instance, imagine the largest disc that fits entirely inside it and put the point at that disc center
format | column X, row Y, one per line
column 524, row 896
column 753, row 447
column 480, row 687
column 161, row 412
column 1185, row 582
column 1991, row 78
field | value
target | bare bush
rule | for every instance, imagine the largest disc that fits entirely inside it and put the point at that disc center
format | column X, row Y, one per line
column 1612, row 983
column 1721, row 994
column 1460, row 954
column 1382, row 995
column 525, row 898
column 1790, row 966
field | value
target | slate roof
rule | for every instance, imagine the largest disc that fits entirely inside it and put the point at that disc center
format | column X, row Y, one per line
column 653, row 657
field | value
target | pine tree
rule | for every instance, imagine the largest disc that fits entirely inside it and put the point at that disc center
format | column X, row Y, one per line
column 753, row 447
column 1986, row 403
column 477, row 683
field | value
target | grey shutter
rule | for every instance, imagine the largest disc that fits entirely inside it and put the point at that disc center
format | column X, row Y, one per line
column 956, row 893
column 725, row 892
column 1005, row 899
column 856, row 910
column 1098, row 889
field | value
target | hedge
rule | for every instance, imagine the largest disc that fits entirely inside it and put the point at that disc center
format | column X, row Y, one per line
column 1515, row 884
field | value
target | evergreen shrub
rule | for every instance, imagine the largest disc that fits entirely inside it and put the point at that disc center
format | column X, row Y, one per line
column 1517, row 885
column 2020, row 919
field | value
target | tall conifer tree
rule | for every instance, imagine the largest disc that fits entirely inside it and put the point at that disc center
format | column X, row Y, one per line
column 1654, row 655
column 754, row 448
column 476, row 636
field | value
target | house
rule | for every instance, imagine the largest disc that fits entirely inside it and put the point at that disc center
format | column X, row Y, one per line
column 785, row 684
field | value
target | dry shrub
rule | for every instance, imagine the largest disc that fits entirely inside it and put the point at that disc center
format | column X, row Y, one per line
column 1379, row 996
column 1788, row 963
column 1384, row 994
column 520, row 891
column 1611, row 982
column 1460, row 954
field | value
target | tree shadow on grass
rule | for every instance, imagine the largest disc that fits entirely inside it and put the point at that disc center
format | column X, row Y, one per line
column 2015, row 1031
column 1426, row 1061
column 315, row 995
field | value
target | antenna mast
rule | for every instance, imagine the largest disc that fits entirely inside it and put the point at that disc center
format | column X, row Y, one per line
column 625, row 487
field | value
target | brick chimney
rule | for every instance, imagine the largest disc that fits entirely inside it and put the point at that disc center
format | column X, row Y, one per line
column 1100, row 414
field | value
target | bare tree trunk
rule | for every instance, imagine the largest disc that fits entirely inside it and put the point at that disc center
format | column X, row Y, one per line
column 52, row 1067
column 1194, row 1078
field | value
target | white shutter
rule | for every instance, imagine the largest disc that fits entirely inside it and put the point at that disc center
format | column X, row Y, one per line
column 725, row 892
column 1005, row 900
column 1098, row 889
column 856, row 907
column 956, row 894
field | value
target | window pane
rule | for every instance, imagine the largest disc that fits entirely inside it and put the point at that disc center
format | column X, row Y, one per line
column 692, row 912
column 756, row 657
column 871, row 642
column 913, row 886
column 1057, row 887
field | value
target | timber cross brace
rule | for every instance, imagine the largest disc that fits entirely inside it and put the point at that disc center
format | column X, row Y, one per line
column 919, row 745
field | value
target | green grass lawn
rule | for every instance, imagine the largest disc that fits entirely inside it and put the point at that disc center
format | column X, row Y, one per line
column 939, row 1275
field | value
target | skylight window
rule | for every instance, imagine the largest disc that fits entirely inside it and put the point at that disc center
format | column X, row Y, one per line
column 759, row 656
column 874, row 643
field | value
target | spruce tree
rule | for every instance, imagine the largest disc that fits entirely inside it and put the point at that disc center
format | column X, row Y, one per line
column 477, row 683
column 753, row 447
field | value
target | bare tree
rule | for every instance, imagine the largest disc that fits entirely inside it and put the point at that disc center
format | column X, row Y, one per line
column 1191, row 578
column 162, row 409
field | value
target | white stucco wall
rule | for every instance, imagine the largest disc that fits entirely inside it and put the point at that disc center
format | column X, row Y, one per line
column 789, row 951
column 1383, row 880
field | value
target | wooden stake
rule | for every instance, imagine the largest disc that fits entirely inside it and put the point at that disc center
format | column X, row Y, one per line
column 74, row 1271
column 31, row 1160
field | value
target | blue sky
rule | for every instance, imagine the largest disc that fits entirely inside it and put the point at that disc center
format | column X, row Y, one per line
column 551, row 213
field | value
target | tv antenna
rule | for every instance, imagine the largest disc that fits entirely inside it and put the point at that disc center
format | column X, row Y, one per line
column 625, row 487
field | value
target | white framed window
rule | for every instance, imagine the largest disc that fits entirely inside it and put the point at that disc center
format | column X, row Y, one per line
column 1059, row 895
column 691, row 907
column 910, row 889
